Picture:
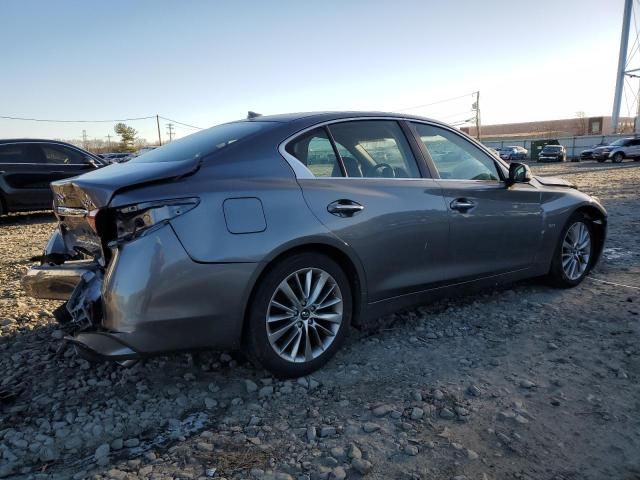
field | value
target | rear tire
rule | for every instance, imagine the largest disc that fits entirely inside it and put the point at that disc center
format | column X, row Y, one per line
column 618, row 157
column 300, row 315
column 574, row 253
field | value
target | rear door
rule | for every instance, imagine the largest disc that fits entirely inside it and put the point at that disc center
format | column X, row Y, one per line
column 634, row 148
column 368, row 189
column 23, row 183
column 493, row 229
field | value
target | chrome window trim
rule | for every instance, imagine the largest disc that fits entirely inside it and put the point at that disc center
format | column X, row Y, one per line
column 301, row 171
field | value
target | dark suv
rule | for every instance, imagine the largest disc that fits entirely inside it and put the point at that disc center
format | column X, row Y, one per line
column 27, row 167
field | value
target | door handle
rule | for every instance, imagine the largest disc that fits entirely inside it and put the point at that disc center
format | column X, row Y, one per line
column 462, row 204
column 344, row 208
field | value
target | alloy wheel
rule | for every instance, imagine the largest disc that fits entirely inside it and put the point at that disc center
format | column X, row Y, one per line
column 576, row 251
column 304, row 315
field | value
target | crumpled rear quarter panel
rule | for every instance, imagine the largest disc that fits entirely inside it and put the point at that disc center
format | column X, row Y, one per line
column 163, row 300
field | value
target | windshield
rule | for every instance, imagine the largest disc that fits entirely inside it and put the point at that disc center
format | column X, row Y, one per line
column 552, row 148
column 620, row 143
column 203, row 143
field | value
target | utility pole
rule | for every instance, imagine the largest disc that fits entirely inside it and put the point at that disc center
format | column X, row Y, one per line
column 84, row 139
column 170, row 130
column 158, row 124
column 109, row 141
column 622, row 64
column 476, row 107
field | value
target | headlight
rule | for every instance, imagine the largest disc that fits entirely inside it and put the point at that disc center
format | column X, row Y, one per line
column 135, row 220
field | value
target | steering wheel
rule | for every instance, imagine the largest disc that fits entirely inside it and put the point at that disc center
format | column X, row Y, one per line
column 386, row 170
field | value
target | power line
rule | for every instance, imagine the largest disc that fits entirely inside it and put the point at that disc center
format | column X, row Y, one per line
column 436, row 103
column 180, row 123
column 74, row 121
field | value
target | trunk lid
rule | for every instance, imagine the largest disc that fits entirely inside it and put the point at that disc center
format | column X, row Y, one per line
column 96, row 189
column 79, row 202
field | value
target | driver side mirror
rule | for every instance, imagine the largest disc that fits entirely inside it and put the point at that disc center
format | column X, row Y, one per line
column 519, row 173
column 90, row 162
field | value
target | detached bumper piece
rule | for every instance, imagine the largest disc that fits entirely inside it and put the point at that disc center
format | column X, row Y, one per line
column 56, row 282
column 103, row 346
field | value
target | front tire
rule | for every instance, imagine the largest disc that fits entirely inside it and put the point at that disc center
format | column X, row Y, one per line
column 618, row 157
column 300, row 315
column 574, row 253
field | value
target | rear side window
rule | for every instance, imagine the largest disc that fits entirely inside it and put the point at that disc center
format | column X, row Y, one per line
column 314, row 150
column 203, row 143
column 11, row 154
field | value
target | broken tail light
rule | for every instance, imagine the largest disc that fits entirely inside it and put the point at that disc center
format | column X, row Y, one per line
column 135, row 220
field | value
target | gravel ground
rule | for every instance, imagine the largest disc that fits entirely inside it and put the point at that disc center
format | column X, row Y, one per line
column 527, row 383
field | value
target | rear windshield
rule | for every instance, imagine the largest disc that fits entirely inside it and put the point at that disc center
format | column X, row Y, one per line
column 552, row 148
column 203, row 143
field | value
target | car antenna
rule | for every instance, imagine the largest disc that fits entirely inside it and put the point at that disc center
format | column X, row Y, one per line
column 251, row 114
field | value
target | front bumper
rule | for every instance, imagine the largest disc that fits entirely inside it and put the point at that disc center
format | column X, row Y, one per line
column 601, row 155
column 150, row 299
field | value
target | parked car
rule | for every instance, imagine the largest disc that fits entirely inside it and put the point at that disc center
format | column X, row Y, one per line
column 619, row 150
column 513, row 153
column 553, row 153
column 115, row 157
column 588, row 153
column 27, row 167
column 142, row 151
column 494, row 151
column 243, row 236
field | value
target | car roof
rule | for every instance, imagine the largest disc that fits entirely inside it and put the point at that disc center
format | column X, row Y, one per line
column 329, row 115
column 36, row 140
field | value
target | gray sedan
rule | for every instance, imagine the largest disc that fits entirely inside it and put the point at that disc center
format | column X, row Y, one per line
column 275, row 234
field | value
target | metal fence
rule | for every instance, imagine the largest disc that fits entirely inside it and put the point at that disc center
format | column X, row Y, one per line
column 574, row 145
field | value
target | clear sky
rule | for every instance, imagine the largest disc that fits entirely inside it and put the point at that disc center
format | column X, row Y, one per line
column 206, row 62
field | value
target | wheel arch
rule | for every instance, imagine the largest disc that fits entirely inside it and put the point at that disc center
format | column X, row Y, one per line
column 598, row 220
column 332, row 249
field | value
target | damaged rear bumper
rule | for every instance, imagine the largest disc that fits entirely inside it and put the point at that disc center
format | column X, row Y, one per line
column 151, row 298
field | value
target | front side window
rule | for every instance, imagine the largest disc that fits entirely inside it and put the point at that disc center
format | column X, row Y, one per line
column 374, row 149
column 455, row 157
column 59, row 155
column 314, row 150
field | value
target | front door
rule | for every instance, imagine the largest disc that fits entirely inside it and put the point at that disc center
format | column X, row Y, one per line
column 369, row 191
column 493, row 229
